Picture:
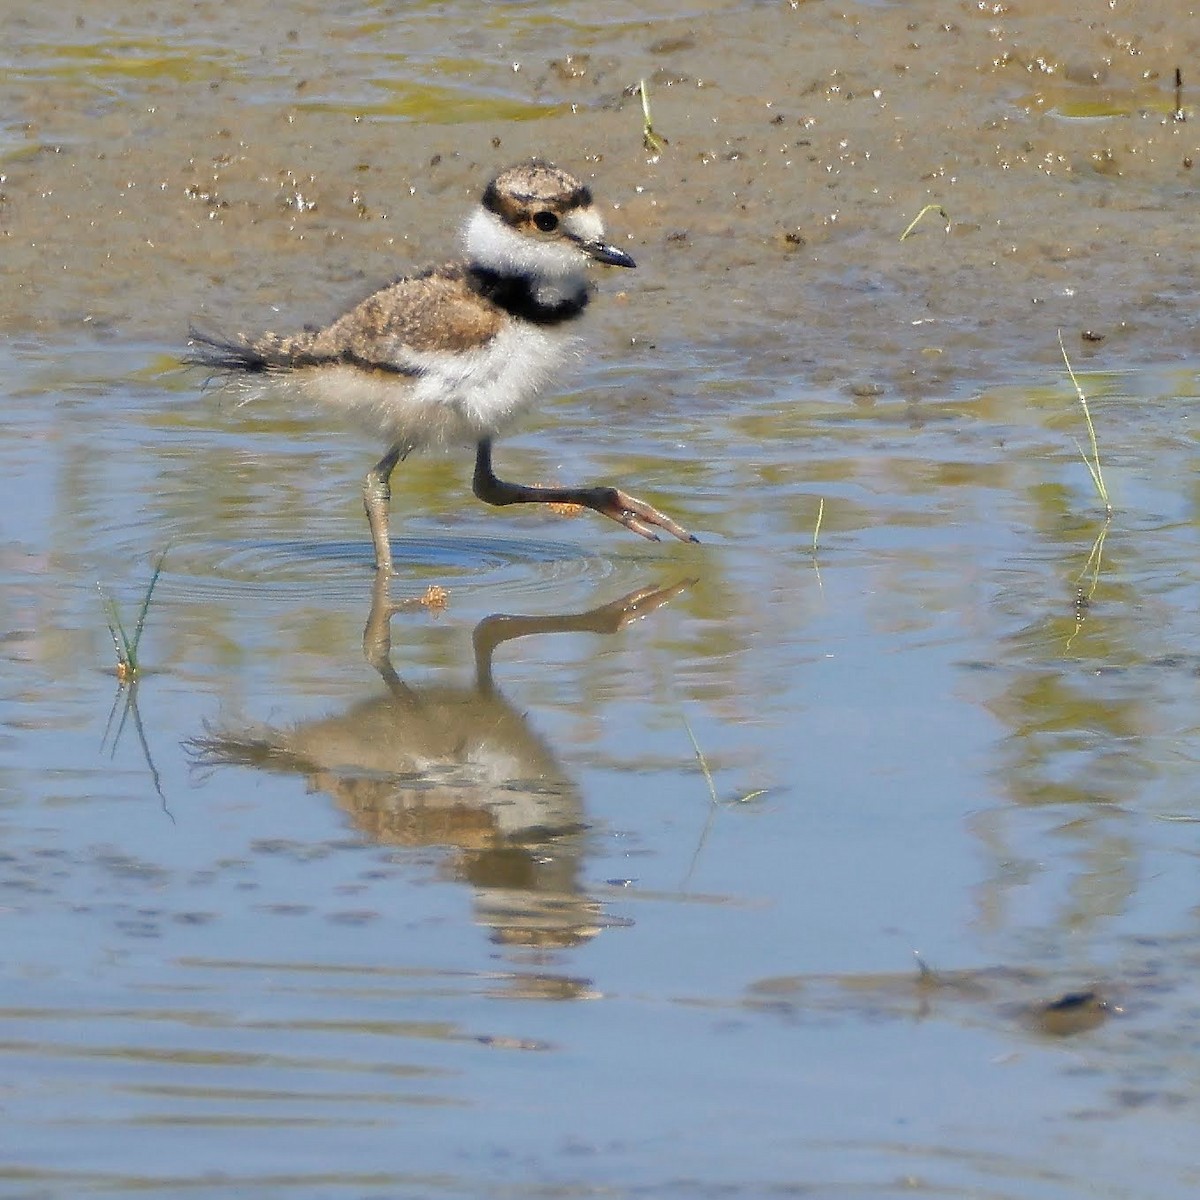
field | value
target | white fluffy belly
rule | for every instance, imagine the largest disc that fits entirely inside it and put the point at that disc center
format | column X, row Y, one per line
column 456, row 398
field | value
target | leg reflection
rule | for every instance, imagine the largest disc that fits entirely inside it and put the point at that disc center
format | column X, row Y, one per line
column 458, row 766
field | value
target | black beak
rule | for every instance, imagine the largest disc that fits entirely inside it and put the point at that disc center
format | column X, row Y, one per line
column 610, row 256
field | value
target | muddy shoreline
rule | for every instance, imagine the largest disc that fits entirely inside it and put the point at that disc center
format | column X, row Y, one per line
column 185, row 181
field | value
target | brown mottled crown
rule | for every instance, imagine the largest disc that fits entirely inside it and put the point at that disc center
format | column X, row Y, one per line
column 534, row 185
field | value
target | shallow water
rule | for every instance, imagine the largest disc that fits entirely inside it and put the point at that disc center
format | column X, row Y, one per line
column 462, row 916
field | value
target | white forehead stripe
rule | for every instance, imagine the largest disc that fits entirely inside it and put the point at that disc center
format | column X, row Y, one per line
column 585, row 224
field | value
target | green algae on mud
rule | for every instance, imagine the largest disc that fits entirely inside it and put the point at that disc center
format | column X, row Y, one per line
column 834, row 135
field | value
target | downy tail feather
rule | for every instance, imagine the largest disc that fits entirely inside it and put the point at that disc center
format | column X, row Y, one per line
column 269, row 352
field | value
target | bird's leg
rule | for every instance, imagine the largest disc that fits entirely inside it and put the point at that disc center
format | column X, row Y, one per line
column 377, row 492
column 609, row 502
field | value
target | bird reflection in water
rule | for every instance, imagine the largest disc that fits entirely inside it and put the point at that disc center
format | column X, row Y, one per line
column 456, row 766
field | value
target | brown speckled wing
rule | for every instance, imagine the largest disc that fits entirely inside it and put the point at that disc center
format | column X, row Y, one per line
column 437, row 310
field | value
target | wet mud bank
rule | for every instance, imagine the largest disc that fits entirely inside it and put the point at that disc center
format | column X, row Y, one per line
column 200, row 163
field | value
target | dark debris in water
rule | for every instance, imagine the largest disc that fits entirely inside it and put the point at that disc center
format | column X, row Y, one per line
column 1007, row 996
column 1072, row 1013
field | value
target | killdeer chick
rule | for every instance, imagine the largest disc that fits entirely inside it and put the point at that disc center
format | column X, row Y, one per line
column 453, row 354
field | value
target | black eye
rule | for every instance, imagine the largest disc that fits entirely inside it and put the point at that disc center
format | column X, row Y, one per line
column 547, row 222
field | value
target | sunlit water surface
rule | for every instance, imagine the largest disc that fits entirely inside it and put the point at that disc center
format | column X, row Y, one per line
column 284, row 921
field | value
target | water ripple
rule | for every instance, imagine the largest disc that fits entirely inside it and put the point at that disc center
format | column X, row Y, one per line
column 518, row 569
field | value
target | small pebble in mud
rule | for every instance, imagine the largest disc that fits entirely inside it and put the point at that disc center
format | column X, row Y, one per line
column 866, row 391
column 1090, row 335
column 673, row 45
column 573, row 66
column 1086, row 72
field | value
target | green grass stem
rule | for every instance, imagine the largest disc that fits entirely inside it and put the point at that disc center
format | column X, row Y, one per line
column 937, row 208
column 654, row 143
column 1093, row 463
column 708, row 775
column 712, row 788
column 126, row 647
